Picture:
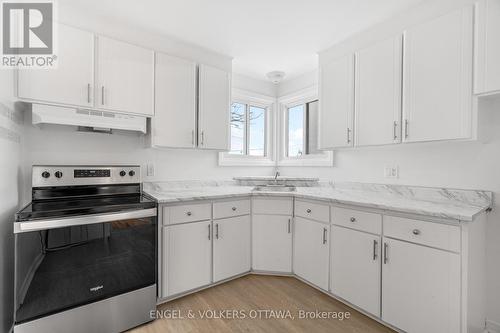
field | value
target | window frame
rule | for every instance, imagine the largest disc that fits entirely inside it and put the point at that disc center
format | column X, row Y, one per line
column 286, row 102
column 261, row 101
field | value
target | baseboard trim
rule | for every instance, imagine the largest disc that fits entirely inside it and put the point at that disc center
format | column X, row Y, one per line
column 492, row 326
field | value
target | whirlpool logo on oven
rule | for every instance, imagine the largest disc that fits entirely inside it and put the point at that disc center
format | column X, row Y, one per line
column 28, row 31
column 96, row 288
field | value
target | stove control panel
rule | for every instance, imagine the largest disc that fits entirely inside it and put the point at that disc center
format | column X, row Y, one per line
column 55, row 175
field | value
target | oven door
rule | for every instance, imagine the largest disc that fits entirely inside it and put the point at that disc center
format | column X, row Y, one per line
column 65, row 263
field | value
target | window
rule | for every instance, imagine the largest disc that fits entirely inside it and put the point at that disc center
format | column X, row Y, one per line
column 302, row 129
column 298, row 130
column 248, row 130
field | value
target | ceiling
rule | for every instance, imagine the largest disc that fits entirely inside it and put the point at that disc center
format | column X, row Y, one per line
column 261, row 35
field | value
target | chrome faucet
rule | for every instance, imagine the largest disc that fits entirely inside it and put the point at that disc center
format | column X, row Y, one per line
column 276, row 177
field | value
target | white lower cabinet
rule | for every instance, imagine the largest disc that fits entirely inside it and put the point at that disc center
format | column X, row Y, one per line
column 272, row 243
column 311, row 251
column 187, row 257
column 420, row 288
column 355, row 268
column 231, row 246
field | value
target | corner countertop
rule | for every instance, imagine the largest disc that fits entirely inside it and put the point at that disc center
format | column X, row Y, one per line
column 451, row 204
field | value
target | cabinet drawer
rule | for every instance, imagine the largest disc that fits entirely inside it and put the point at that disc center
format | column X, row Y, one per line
column 187, row 213
column 231, row 208
column 363, row 221
column 313, row 211
column 443, row 236
column 272, row 206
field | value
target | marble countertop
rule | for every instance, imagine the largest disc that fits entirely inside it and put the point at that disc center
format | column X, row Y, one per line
column 458, row 205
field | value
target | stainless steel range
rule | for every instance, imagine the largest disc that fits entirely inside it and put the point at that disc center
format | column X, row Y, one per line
column 85, row 251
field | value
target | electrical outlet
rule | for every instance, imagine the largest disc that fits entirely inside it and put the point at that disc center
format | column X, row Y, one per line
column 391, row 172
column 150, row 172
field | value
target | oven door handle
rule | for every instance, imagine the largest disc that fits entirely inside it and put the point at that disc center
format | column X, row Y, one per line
column 27, row 226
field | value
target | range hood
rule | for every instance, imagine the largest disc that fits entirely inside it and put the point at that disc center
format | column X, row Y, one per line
column 100, row 120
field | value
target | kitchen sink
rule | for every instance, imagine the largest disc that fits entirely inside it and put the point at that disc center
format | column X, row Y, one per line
column 275, row 188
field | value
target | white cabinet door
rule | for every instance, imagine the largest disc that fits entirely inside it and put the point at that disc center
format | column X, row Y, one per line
column 125, row 75
column 214, row 107
column 487, row 53
column 336, row 103
column 187, row 257
column 272, row 243
column 72, row 82
column 311, row 251
column 420, row 288
column 355, row 268
column 378, row 93
column 175, row 103
column 231, row 247
column 437, row 78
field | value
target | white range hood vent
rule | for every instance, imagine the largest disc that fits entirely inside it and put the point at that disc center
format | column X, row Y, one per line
column 83, row 118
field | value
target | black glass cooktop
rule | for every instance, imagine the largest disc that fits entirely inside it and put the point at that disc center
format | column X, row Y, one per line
column 67, row 207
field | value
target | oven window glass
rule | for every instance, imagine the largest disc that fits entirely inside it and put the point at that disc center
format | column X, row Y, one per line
column 59, row 269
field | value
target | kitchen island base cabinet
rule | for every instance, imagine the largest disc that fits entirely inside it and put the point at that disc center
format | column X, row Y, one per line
column 355, row 268
column 272, row 243
column 231, row 246
column 420, row 288
column 311, row 251
column 187, row 257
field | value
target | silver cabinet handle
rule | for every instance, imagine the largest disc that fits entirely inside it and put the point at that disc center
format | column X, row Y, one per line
column 406, row 128
column 202, row 138
column 395, row 128
column 353, row 219
column 217, row 230
column 102, row 95
column 209, row 232
column 386, row 253
column 192, row 137
column 308, row 211
column 189, row 213
column 324, row 235
column 416, row 232
column 375, row 248
column 348, row 135
column 88, row 93
column 234, row 209
column 289, row 225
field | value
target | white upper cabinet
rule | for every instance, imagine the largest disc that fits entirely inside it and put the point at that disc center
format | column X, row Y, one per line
column 214, row 107
column 378, row 93
column 174, row 123
column 437, row 78
column 487, row 55
column 72, row 82
column 336, row 103
column 311, row 251
column 125, row 75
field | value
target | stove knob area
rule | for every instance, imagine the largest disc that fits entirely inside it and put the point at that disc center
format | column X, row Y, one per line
column 58, row 174
column 45, row 174
column 122, row 173
column 131, row 173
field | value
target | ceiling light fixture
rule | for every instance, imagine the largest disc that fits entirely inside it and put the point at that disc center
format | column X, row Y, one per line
column 276, row 76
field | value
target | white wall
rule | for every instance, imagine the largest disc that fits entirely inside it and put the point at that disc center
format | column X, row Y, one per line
column 10, row 185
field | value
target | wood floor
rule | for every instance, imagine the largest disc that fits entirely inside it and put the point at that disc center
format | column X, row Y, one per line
column 248, row 295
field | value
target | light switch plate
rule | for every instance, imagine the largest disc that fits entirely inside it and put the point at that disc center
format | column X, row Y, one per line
column 391, row 171
column 150, row 172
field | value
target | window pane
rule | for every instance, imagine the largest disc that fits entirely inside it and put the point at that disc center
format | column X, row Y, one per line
column 296, row 131
column 256, row 135
column 312, row 128
column 237, row 128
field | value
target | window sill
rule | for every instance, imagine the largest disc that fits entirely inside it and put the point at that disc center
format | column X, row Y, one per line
column 324, row 160
column 226, row 159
